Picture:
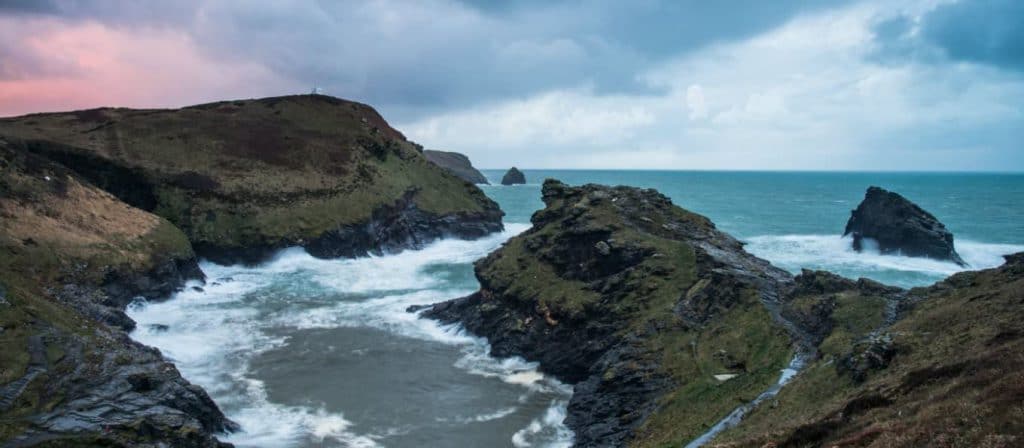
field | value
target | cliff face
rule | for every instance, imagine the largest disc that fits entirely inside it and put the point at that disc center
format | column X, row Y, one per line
column 457, row 164
column 71, row 258
column 638, row 302
column 244, row 178
column 666, row 324
column 900, row 226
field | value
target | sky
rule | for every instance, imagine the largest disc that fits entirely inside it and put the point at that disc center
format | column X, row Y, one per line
column 932, row 85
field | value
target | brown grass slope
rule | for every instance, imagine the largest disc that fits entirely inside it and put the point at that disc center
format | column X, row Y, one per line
column 948, row 373
column 71, row 255
column 256, row 174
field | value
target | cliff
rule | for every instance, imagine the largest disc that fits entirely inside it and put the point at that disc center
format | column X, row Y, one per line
column 243, row 179
column 640, row 304
column 71, row 258
column 672, row 333
column 457, row 164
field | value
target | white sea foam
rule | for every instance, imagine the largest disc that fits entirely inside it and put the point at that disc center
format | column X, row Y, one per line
column 213, row 332
column 546, row 428
column 832, row 253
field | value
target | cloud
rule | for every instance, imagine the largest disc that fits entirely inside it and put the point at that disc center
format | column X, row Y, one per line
column 806, row 95
column 985, row 32
column 88, row 64
column 695, row 102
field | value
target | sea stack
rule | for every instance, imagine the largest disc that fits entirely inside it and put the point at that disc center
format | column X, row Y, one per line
column 457, row 164
column 513, row 177
column 900, row 227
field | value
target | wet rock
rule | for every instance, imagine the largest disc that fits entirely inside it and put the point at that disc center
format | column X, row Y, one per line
column 899, row 226
column 513, row 177
column 457, row 164
column 160, row 328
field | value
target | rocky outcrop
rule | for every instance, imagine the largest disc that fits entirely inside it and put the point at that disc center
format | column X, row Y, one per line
column 900, row 226
column 457, row 164
column 639, row 304
column 513, row 177
column 935, row 366
column 243, row 179
column 71, row 259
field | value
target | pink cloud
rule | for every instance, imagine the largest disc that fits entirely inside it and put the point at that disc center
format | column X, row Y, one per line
column 88, row 64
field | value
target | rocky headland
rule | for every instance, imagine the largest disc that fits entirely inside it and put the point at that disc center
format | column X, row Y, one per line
column 457, row 164
column 243, row 179
column 513, row 177
column 71, row 258
column 666, row 326
column 901, row 227
column 100, row 207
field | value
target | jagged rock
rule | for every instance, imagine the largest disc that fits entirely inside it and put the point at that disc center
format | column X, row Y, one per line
column 873, row 353
column 513, row 177
column 608, row 280
column 457, row 164
column 900, row 226
column 84, row 381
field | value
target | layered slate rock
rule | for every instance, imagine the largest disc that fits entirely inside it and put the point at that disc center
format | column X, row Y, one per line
column 640, row 304
column 900, row 226
column 457, row 164
column 243, row 179
column 513, row 177
column 71, row 259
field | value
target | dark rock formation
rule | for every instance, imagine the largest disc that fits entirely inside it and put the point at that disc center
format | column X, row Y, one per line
column 626, row 295
column 900, row 226
column 243, row 179
column 457, row 164
column 513, row 177
column 71, row 258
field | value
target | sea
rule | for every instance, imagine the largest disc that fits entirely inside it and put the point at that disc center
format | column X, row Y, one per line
column 304, row 352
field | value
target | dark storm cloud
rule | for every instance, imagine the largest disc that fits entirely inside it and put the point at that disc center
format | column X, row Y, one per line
column 989, row 32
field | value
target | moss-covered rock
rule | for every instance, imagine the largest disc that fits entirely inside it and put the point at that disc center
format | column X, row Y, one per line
column 71, row 257
column 245, row 178
column 640, row 304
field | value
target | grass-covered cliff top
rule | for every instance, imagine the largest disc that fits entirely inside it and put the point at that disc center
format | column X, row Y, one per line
column 947, row 373
column 241, row 174
column 56, row 224
column 655, row 291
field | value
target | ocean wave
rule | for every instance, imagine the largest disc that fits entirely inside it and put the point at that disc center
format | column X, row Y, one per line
column 836, row 254
column 213, row 331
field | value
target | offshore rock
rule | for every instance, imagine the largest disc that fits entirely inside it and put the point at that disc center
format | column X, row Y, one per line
column 901, row 227
column 513, row 177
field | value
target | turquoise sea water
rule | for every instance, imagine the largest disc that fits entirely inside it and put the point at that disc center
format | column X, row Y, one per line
column 795, row 219
column 305, row 352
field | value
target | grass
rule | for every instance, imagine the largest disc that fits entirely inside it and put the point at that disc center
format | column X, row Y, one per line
column 241, row 173
column 648, row 292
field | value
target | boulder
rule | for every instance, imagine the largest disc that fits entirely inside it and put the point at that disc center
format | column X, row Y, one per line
column 457, row 164
column 513, row 177
column 899, row 226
